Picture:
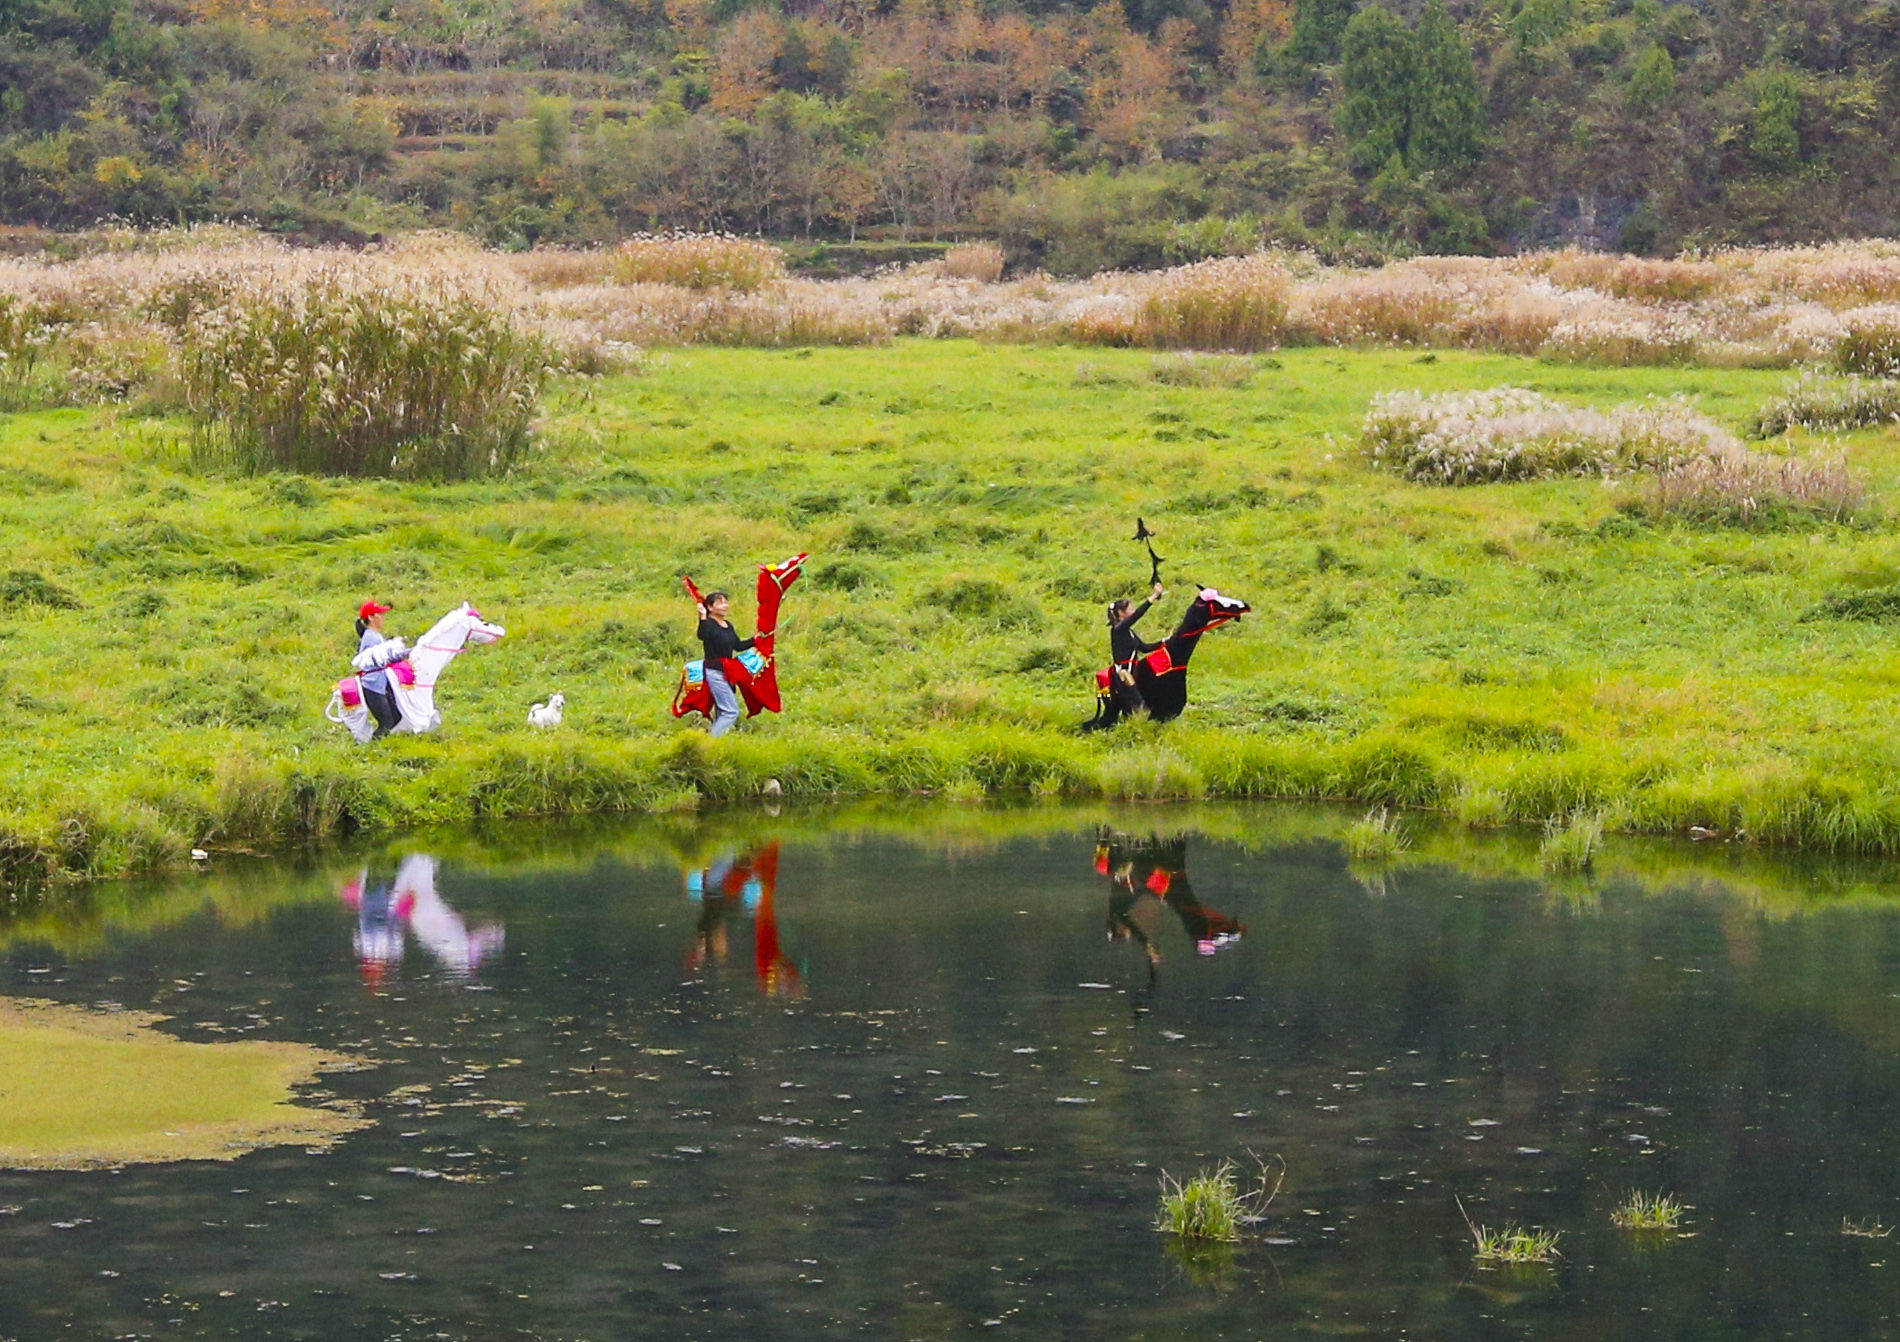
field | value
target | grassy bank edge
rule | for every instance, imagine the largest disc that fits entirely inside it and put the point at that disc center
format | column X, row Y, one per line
column 247, row 800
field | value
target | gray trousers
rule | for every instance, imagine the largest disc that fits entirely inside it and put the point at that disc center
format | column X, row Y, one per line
column 725, row 702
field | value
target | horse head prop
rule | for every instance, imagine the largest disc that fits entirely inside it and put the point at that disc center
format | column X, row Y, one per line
column 412, row 681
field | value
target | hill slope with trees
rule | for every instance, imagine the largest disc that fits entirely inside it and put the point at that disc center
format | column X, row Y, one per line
column 1127, row 134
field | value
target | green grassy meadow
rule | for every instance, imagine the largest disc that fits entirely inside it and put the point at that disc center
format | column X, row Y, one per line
column 1503, row 653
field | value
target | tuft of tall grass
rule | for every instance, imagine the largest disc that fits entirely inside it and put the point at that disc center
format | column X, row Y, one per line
column 1830, row 404
column 698, row 261
column 1376, row 837
column 1213, row 1207
column 26, row 329
column 1507, row 433
column 1870, row 344
column 1229, row 303
column 338, row 377
column 1758, row 488
column 1229, row 371
column 1648, row 1211
column 1238, row 304
column 980, row 261
column 1654, row 279
column 1512, row 1243
column 1154, row 773
column 1572, row 843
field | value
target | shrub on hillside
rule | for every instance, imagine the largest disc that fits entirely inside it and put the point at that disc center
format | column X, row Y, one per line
column 337, row 378
column 698, row 261
column 1507, row 433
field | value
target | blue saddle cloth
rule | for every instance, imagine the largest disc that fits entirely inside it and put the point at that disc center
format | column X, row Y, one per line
column 749, row 658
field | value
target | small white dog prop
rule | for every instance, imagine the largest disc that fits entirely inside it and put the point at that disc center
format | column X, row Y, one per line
column 548, row 714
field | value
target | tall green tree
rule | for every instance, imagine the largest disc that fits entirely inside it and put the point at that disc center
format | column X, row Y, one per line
column 1378, row 74
column 1653, row 80
column 1318, row 26
column 1774, row 138
column 1447, row 112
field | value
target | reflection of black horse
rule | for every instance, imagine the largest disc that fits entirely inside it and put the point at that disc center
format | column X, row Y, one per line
column 1161, row 676
column 1147, row 874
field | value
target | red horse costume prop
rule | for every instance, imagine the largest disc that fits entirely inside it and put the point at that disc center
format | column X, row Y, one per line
column 755, row 678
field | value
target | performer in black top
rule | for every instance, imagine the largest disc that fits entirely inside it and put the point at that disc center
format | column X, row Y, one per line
column 720, row 641
column 1125, row 645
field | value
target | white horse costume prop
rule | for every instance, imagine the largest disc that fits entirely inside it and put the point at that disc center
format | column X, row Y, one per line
column 412, row 681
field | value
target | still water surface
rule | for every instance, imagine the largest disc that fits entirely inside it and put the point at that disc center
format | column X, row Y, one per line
column 785, row 1079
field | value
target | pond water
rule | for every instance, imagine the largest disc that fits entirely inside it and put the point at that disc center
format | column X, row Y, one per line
column 920, row 1078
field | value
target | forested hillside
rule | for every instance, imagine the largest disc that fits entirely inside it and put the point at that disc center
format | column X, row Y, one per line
column 1126, row 134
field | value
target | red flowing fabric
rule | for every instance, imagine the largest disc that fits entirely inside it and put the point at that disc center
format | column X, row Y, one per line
column 760, row 692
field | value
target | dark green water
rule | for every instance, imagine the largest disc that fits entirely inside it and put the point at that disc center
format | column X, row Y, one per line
column 911, row 1087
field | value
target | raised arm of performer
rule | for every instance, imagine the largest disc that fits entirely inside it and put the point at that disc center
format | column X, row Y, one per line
column 1123, row 642
column 720, row 640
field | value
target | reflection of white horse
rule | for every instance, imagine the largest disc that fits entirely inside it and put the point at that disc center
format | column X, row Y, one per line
column 412, row 682
column 411, row 902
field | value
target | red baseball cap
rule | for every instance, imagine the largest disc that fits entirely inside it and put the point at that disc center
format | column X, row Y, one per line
column 374, row 608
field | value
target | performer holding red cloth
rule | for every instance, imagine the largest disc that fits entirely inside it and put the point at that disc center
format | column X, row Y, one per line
column 736, row 668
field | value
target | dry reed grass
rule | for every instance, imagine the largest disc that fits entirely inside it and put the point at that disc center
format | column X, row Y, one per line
column 1743, row 488
column 60, row 319
column 979, row 261
column 1869, row 341
column 361, row 373
column 698, row 261
column 1821, row 404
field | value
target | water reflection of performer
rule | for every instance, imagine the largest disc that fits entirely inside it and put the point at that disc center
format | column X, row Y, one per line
column 742, row 883
column 388, row 912
column 1149, row 874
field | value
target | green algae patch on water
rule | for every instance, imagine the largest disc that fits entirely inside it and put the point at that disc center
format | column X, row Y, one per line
column 83, row 1089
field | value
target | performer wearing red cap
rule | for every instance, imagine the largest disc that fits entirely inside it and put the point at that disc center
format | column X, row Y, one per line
column 369, row 632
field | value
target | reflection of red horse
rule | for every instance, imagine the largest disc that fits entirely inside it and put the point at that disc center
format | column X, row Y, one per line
column 731, row 884
column 758, row 687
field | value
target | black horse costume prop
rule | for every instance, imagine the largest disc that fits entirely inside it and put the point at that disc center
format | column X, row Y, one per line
column 1161, row 676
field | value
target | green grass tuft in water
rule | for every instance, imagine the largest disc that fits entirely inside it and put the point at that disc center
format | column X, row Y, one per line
column 1648, row 1211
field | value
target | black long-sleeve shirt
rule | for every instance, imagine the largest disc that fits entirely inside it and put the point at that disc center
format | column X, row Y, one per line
column 720, row 641
column 1123, row 641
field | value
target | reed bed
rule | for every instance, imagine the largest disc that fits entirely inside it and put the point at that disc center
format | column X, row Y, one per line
column 1837, row 305
column 337, row 377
